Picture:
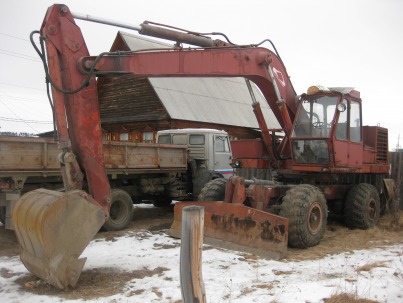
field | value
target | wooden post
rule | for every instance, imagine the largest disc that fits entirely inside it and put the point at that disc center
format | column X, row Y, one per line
column 192, row 285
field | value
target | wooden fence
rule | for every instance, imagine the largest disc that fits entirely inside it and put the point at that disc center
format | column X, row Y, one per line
column 396, row 160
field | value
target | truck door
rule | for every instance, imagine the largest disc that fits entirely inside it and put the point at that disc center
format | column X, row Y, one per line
column 348, row 144
column 222, row 155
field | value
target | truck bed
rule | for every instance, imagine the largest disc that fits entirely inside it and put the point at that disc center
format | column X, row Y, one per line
column 39, row 157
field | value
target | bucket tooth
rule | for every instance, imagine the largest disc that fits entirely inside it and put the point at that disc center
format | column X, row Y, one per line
column 53, row 229
column 237, row 227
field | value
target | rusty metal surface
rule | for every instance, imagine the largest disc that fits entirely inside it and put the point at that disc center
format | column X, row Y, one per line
column 23, row 153
column 39, row 156
column 144, row 155
column 53, row 229
column 239, row 227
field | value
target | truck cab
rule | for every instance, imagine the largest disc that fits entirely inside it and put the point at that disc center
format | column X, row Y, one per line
column 209, row 149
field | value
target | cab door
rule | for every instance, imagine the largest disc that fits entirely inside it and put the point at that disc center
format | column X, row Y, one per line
column 222, row 155
column 348, row 135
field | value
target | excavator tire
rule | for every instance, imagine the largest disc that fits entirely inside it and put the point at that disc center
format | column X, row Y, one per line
column 213, row 190
column 306, row 210
column 120, row 211
column 362, row 208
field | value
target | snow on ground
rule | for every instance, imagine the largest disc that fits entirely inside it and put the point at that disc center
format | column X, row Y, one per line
column 228, row 276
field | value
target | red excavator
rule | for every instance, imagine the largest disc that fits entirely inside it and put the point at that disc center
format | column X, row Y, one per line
column 322, row 157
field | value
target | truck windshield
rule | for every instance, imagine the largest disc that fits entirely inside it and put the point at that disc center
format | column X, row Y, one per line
column 315, row 117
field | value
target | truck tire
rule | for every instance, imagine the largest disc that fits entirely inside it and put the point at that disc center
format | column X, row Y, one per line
column 213, row 190
column 306, row 210
column 120, row 212
column 3, row 215
column 362, row 208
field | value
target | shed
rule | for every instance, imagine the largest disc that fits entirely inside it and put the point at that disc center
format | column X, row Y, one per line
column 136, row 108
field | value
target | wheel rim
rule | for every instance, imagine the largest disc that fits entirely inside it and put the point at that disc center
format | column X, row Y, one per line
column 116, row 211
column 315, row 218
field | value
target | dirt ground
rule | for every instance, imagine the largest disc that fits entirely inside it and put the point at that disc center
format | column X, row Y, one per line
column 101, row 282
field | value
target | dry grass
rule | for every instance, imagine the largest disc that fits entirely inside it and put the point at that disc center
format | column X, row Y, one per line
column 102, row 282
column 347, row 298
column 93, row 283
column 369, row 266
column 339, row 238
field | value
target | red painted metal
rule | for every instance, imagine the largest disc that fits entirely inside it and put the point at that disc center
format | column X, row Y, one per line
column 251, row 63
column 248, row 148
column 238, row 227
column 65, row 45
column 267, row 140
column 235, row 190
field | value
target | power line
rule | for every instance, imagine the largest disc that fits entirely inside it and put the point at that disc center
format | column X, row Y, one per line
column 24, row 121
column 11, row 36
column 24, row 99
column 19, row 55
column 18, row 85
column 5, row 104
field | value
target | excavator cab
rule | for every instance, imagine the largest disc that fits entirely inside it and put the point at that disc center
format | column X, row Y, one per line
column 327, row 125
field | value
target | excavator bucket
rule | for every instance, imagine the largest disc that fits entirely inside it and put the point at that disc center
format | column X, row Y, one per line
column 237, row 227
column 53, row 229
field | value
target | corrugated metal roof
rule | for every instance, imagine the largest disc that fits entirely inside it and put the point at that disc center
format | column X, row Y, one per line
column 213, row 100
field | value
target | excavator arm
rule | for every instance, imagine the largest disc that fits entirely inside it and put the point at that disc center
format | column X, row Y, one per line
column 249, row 62
column 77, row 114
column 48, row 224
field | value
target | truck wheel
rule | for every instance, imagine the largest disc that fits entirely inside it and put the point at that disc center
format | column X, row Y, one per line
column 214, row 190
column 306, row 210
column 362, row 208
column 3, row 215
column 120, row 212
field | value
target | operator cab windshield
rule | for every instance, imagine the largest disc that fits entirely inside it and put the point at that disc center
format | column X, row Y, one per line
column 312, row 127
column 315, row 117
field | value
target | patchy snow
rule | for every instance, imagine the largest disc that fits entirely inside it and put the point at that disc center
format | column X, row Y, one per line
column 228, row 276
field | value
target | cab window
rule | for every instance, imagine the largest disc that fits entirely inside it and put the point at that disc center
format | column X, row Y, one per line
column 221, row 144
column 164, row 139
column 196, row 139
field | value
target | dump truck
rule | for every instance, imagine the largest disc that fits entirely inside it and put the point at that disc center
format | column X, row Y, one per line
column 176, row 168
column 322, row 155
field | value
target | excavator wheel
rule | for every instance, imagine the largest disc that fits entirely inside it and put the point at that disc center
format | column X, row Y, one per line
column 362, row 209
column 306, row 210
column 120, row 212
column 213, row 190
column 53, row 229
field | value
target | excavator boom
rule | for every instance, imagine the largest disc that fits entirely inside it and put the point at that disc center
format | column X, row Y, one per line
column 49, row 224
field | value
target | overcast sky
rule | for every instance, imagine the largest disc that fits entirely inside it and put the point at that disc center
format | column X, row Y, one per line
column 354, row 43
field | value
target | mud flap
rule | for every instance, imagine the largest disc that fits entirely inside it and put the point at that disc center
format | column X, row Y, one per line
column 53, row 229
column 390, row 188
column 237, row 227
